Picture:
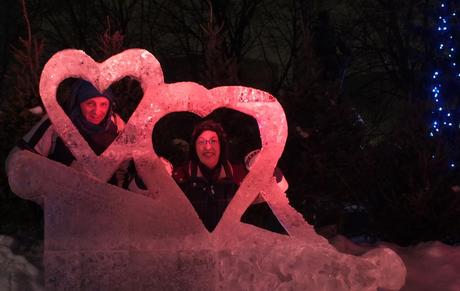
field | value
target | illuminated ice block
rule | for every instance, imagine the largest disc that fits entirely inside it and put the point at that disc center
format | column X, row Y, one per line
column 101, row 237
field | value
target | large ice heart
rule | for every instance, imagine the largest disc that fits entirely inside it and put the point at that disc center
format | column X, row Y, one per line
column 139, row 64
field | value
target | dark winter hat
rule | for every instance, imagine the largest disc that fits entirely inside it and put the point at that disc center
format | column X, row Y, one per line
column 84, row 90
column 211, row 125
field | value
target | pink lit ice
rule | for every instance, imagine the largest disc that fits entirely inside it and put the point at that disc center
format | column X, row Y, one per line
column 98, row 236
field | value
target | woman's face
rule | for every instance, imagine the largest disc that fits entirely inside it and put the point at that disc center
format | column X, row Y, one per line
column 95, row 109
column 208, row 148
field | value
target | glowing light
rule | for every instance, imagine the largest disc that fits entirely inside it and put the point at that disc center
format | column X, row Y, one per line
column 443, row 116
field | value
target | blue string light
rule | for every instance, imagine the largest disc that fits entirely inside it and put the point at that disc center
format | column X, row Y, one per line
column 443, row 118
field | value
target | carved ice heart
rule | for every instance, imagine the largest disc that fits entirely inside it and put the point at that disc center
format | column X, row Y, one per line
column 160, row 99
column 137, row 63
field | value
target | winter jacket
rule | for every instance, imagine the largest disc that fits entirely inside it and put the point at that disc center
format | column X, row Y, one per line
column 44, row 140
column 209, row 194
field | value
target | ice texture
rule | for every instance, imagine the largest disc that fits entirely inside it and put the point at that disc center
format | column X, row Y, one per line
column 101, row 237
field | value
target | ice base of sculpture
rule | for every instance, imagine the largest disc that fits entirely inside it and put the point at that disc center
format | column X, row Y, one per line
column 106, row 238
column 101, row 237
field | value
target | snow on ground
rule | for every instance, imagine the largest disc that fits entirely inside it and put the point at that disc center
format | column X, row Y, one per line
column 431, row 266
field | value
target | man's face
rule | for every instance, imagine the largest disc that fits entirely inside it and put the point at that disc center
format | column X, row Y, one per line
column 208, row 148
column 95, row 109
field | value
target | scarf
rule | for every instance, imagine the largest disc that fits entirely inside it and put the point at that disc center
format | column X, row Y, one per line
column 99, row 136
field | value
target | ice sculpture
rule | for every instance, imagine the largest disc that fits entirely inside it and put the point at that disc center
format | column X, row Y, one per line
column 100, row 237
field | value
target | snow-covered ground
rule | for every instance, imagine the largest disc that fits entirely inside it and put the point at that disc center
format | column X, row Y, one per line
column 431, row 266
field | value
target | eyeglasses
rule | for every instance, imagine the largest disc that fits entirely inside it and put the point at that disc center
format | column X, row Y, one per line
column 203, row 142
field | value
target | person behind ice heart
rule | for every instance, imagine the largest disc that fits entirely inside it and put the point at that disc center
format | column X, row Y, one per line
column 91, row 111
column 209, row 180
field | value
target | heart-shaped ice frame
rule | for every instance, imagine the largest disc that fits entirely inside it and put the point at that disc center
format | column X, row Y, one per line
column 160, row 99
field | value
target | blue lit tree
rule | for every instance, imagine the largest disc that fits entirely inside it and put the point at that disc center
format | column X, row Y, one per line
column 446, row 80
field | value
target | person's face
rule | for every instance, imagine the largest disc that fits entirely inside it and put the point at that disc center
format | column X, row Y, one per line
column 95, row 109
column 208, row 148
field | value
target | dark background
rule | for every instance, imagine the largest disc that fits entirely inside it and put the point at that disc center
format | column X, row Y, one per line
column 353, row 76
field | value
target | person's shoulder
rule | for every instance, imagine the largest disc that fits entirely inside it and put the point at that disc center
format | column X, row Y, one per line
column 239, row 172
column 181, row 173
column 44, row 122
column 43, row 129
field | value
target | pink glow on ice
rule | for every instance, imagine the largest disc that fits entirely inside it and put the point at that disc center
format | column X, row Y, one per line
column 107, row 236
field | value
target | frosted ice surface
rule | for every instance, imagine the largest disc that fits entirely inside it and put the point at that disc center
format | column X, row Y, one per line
column 101, row 237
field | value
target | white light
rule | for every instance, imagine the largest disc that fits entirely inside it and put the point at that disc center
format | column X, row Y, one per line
column 452, row 49
column 440, row 108
column 452, row 165
column 448, row 114
column 450, row 123
column 442, row 5
column 441, row 46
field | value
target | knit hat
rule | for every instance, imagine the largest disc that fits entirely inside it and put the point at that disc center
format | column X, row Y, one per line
column 84, row 90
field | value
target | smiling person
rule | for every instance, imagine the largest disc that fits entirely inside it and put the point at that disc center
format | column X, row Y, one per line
column 209, row 180
column 92, row 114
